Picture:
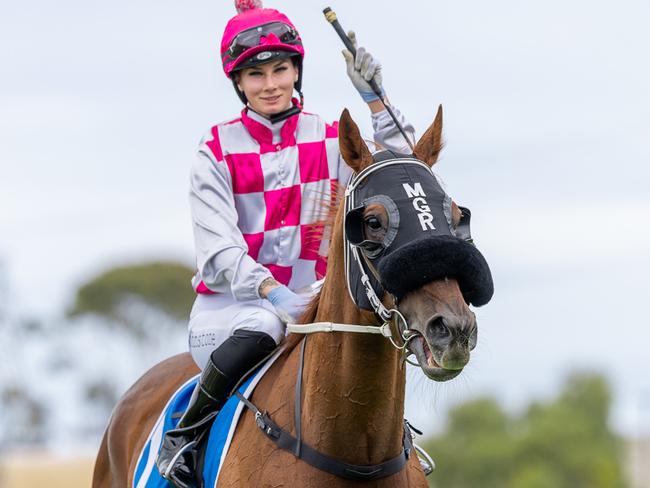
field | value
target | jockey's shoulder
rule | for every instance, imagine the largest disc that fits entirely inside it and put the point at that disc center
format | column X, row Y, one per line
column 231, row 121
column 331, row 128
column 310, row 114
column 210, row 143
column 313, row 116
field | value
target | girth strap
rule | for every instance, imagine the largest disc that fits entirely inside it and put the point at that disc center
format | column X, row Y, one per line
column 331, row 465
column 308, row 454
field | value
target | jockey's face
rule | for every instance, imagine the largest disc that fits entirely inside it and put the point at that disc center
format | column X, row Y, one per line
column 269, row 86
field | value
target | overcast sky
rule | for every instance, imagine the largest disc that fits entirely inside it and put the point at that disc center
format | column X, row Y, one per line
column 547, row 111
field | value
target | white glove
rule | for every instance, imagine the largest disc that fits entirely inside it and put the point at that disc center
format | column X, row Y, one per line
column 361, row 69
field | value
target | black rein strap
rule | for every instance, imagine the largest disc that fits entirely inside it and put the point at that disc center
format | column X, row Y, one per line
column 308, row 454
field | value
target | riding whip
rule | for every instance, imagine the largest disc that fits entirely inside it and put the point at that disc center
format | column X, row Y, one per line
column 331, row 17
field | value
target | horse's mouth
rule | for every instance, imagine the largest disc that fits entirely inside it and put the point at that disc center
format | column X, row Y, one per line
column 428, row 363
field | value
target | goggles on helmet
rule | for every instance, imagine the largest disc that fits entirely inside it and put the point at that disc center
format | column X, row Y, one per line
column 251, row 38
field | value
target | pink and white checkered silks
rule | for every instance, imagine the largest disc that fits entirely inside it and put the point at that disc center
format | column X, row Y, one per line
column 281, row 193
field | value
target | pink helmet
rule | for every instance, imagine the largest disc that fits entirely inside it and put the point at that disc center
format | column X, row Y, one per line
column 258, row 35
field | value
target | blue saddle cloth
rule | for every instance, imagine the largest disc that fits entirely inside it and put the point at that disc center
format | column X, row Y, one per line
column 146, row 472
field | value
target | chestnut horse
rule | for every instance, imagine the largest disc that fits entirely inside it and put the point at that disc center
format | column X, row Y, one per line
column 353, row 384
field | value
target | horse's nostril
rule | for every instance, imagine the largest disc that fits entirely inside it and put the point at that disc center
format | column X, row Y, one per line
column 438, row 328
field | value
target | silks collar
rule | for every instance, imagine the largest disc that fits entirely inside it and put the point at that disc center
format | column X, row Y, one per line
column 264, row 135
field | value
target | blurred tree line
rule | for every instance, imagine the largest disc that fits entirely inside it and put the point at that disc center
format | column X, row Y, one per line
column 163, row 286
column 67, row 372
column 562, row 443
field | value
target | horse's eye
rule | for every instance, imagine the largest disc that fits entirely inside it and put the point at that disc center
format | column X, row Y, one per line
column 373, row 223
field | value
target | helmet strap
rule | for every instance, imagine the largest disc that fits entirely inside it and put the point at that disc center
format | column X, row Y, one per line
column 240, row 93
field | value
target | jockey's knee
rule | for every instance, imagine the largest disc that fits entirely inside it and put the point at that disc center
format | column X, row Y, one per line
column 263, row 320
column 211, row 329
column 241, row 351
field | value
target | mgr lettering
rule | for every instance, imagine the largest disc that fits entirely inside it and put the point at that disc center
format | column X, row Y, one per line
column 420, row 204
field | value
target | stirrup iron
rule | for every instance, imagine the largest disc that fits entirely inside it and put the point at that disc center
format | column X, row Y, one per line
column 172, row 463
column 427, row 463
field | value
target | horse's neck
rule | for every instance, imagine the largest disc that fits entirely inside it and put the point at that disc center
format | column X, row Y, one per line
column 353, row 386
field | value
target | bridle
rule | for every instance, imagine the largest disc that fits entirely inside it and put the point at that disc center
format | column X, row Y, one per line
column 353, row 256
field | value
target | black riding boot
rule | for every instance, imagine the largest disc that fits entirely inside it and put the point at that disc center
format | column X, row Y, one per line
column 177, row 457
column 178, row 454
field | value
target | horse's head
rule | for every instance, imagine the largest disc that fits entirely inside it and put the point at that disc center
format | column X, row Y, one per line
column 409, row 244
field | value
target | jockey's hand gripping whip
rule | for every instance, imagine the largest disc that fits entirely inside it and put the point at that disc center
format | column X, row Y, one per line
column 330, row 15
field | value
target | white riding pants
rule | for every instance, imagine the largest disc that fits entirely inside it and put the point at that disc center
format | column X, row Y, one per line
column 214, row 318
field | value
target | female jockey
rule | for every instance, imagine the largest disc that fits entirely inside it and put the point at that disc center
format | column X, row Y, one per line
column 260, row 192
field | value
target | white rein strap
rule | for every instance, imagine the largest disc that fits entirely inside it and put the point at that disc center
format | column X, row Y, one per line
column 383, row 330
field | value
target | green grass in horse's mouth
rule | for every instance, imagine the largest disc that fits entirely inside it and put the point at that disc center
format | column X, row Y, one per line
column 429, row 355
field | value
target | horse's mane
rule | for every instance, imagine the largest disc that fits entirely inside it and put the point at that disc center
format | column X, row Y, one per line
column 308, row 317
column 320, row 230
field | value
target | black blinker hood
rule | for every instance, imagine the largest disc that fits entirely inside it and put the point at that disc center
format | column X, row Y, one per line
column 425, row 247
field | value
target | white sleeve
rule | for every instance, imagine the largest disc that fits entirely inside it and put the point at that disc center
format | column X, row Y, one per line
column 221, row 251
column 388, row 136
